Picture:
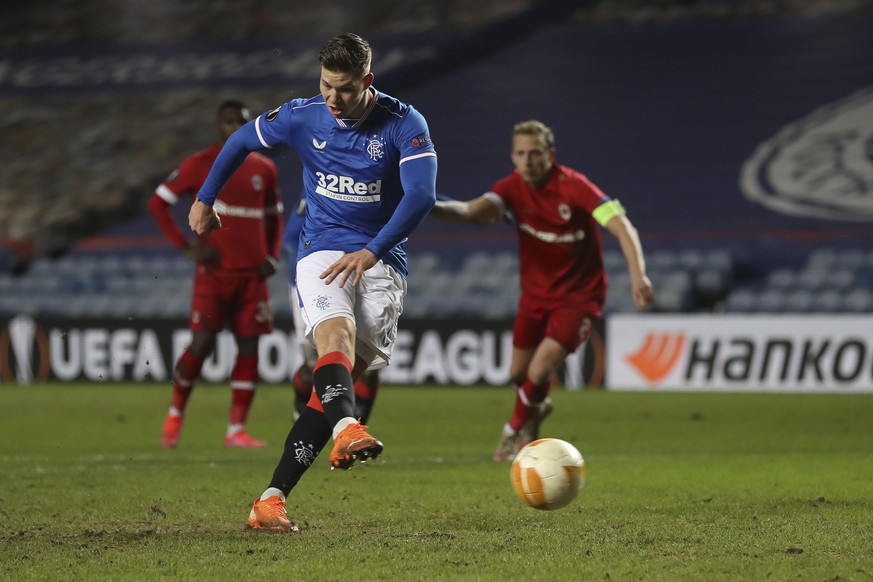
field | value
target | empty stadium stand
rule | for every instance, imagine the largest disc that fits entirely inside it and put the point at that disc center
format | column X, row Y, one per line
column 664, row 105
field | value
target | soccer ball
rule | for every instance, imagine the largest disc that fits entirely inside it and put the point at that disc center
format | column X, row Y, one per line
column 548, row 473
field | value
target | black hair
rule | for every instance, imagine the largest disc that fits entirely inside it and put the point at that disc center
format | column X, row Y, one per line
column 235, row 104
column 346, row 53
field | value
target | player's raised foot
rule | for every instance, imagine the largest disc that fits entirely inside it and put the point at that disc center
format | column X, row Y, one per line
column 352, row 444
column 242, row 440
column 170, row 432
column 531, row 429
column 270, row 515
column 507, row 447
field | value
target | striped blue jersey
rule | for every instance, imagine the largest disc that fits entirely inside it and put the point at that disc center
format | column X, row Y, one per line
column 353, row 173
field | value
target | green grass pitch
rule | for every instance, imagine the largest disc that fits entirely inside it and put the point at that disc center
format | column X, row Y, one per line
column 683, row 486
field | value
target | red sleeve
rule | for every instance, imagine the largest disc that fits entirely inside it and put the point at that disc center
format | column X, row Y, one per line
column 186, row 179
column 590, row 195
column 161, row 210
column 504, row 189
column 273, row 219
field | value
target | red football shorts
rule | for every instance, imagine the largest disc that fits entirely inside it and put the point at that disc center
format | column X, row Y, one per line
column 566, row 322
column 239, row 301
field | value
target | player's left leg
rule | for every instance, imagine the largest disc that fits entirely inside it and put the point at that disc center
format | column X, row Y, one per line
column 535, row 390
column 185, row 375
column 252, row 317
column 329, row 312
column 528, row 331
column 567, row 329
column 243, row 381
column 377, row 309
column 334, row 385
column 306, row 439
column 366, row 388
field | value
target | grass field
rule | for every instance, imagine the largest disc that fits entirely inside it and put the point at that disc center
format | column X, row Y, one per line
column 680, row 487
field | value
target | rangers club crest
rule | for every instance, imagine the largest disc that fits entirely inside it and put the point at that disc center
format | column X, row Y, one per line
column 820, row 166
column 375, row 149
column 304, row 453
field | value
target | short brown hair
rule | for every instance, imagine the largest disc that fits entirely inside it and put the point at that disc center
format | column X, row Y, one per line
column 534, row 127
column 346, row 53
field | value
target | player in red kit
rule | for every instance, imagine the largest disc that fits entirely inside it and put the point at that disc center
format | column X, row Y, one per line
column 556, row 211
column 230, row 282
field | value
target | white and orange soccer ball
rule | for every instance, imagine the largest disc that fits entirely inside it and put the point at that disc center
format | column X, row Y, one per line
column 548, row 473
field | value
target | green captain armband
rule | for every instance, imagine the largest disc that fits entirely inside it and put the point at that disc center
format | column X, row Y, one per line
column 607, row 211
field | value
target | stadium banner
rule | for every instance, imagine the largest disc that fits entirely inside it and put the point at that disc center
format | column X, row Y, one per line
column 34, row 350
column 767, row 353
column 132, row 350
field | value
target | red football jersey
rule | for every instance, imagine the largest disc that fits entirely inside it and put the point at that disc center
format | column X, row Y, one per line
column 560, row 255
column 248, row 201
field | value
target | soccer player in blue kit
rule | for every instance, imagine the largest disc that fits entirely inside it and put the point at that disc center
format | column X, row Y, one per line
column 369, row 172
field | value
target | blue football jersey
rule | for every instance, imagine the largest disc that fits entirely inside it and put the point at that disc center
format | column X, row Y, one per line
column 351, row 169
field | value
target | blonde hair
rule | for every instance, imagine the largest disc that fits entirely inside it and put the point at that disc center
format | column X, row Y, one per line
column 536, row 128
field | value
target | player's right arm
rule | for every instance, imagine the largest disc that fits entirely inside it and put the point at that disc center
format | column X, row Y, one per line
column 161, row 209
column 181, row 182
column 486, row 209
column 202, row 217
column 611, row 216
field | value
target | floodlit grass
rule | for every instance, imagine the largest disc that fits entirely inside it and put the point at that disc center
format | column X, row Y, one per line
column 680, row 487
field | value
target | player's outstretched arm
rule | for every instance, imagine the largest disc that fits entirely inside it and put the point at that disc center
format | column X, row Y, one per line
column 629, row 240
column 486, row 209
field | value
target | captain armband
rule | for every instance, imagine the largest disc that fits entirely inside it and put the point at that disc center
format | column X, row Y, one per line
column 607, row 211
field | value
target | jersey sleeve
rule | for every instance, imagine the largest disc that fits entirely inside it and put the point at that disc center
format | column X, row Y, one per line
column 413, row 138
column 278, row 126
column 182, row 181
column 418, row 169
column 501, row 193
column 161, row 210
column 588, row 194
column 273, row 211
column 233, row 153
column 185, row 179
column 601, row 207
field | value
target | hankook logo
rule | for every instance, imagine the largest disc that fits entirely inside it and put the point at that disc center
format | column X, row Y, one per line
column 658, row 355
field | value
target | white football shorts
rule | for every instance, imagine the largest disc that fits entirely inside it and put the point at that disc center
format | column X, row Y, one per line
column 306, row 347
column 374, row 305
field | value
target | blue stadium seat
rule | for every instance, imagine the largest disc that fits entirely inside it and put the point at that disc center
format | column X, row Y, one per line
column 828, row 301
column 782, row 279
column 822, row 259
column 799, row 301
column 770, row 301
column 858, row 300
column 741, row 301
